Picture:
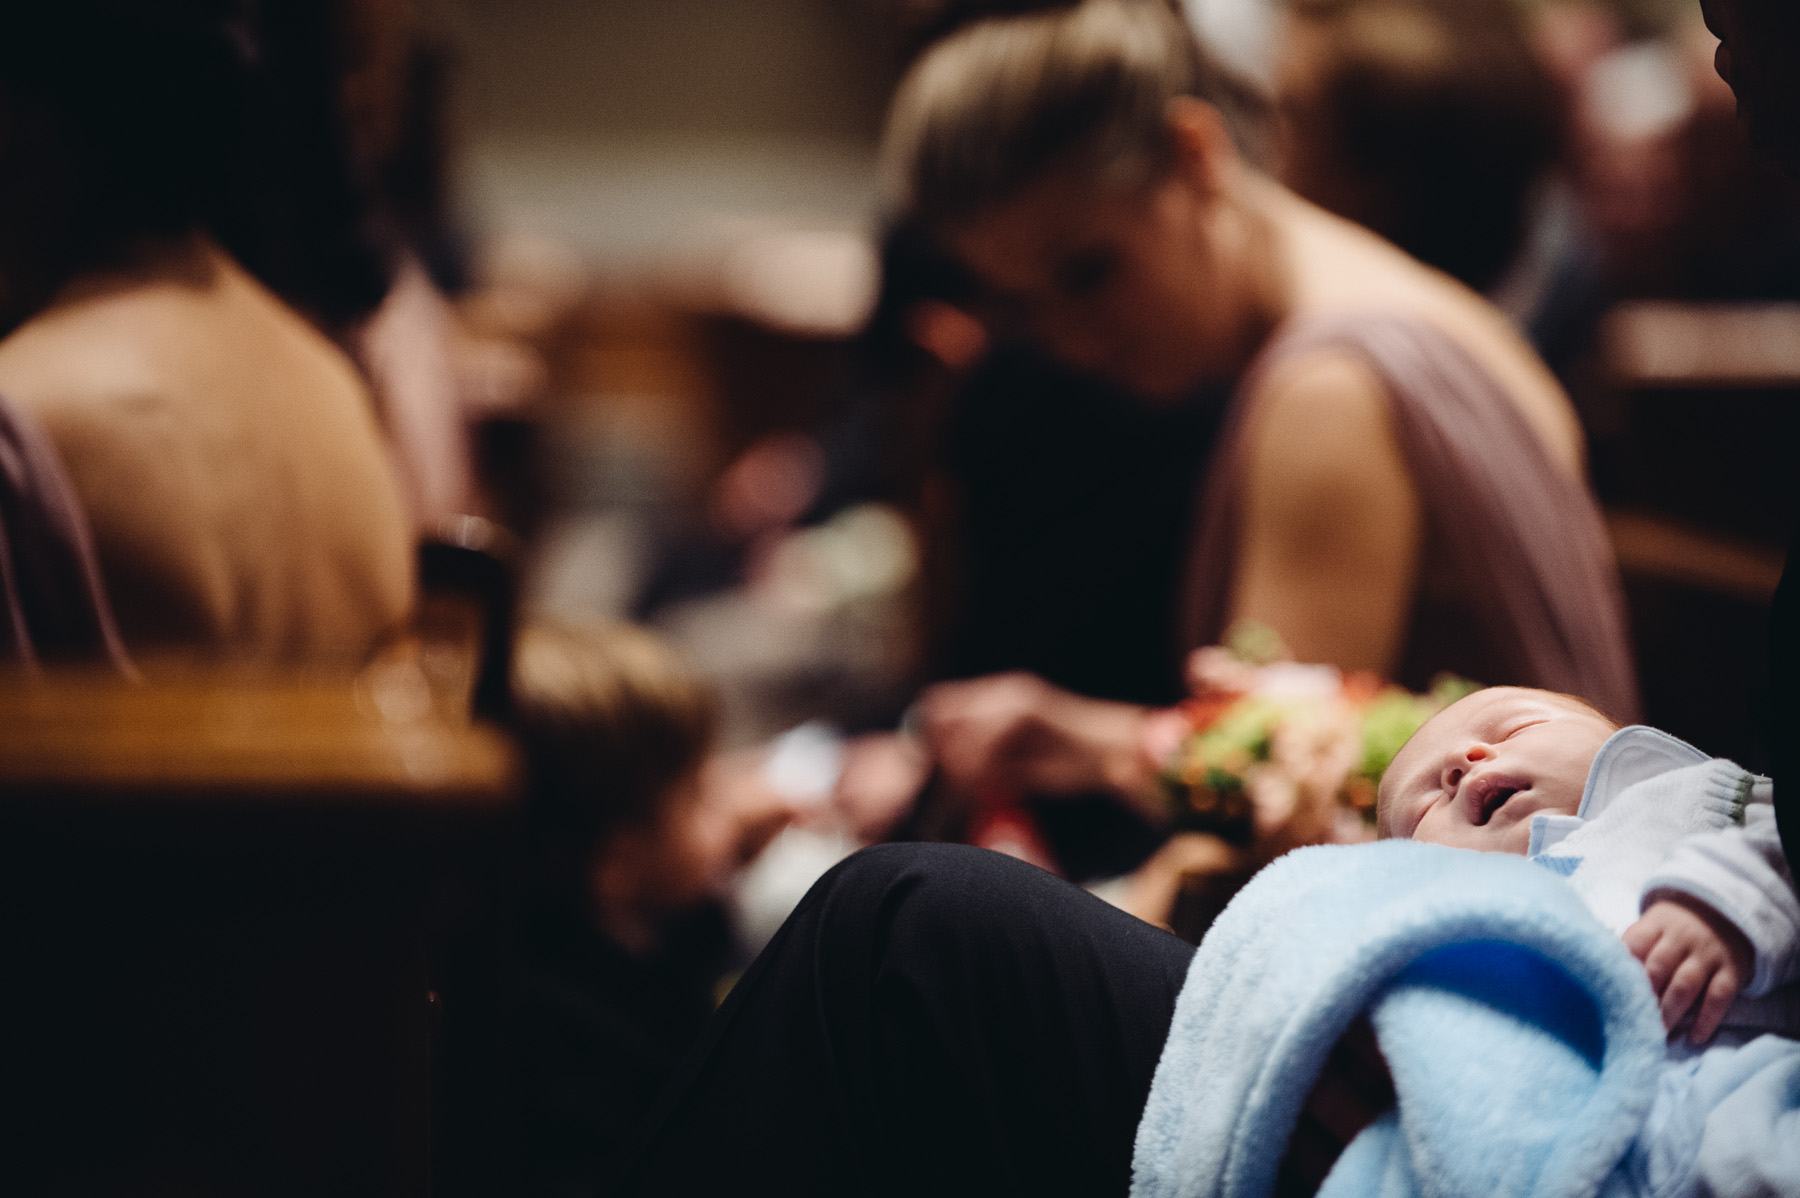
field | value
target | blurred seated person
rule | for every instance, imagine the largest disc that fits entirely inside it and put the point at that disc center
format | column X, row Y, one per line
column 631, row 844
column 241, row 502
column 1428, row 121
column 350, row 223
column 1759, row 57
column 53, row 604
column 1398, row 483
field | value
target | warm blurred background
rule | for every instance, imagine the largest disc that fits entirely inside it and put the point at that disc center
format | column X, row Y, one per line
column 647, row 347
column 675, row 208
column 678, row 212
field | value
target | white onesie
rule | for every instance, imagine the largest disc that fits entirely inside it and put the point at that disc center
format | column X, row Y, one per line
column 1659, row 816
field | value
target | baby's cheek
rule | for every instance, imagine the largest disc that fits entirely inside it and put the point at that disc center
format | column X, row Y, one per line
column 1426, row 831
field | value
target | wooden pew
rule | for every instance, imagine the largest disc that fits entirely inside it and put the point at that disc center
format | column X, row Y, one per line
column 240, row 917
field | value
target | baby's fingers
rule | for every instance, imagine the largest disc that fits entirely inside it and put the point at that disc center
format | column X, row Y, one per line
column 1688, row 983
column 1661, row 959
column 1719, row 995
column 1641, row 937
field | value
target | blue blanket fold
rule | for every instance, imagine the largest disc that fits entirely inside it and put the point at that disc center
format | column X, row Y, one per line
column 1523, row 1038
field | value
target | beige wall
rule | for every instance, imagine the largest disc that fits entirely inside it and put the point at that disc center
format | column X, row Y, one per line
column 759, row 68
column 621, row 124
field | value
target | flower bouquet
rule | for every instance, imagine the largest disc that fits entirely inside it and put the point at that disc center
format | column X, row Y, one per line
column 1271, row 752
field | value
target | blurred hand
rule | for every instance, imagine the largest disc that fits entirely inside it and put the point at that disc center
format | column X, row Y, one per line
column 1016, row 734
column 1152, row 888
column 708, row 827
column 1696, row 959
column 739, row 813
column 883, row 774
column 768, row 486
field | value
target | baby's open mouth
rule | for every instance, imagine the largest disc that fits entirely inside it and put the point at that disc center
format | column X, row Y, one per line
column 1491, row 794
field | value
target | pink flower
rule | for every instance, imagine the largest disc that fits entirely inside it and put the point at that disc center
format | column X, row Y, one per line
column 1292, row 680
column 1214, row 671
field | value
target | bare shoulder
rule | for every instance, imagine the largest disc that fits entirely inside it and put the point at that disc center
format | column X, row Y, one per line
column 94, row 353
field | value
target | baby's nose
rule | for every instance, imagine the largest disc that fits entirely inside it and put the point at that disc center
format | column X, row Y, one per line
column 1457, row 767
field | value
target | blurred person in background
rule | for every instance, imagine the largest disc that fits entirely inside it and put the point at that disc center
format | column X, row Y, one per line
column 1057, row 513
column 225, row 450
column 1655, row 197
column 1721, row 225
column 1759, row 57
column 630, row 849
column 1383, row 415
column 1429, row 122
column 344, row 212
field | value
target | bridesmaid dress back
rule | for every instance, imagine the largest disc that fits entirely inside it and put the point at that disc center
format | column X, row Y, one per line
column 1533, row 595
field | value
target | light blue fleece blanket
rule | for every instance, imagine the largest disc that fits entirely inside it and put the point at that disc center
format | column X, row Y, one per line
column 1523, row 1038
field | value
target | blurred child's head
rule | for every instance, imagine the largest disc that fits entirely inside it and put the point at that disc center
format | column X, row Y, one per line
column 615, row 731
column 1477, row 772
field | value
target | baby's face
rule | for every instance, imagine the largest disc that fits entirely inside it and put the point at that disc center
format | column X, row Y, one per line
column 1477, row 772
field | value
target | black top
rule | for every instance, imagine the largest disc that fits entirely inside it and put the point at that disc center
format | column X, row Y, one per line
column 1077, row 512
column 1078, row 505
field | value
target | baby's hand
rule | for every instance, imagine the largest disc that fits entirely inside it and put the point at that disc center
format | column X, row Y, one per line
column 1697, row 961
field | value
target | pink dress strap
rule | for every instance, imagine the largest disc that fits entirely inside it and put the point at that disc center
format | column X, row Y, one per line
column 1537, row 595
column 53, row 604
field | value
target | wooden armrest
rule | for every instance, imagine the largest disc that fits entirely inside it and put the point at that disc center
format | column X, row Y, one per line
column 1650, row 546
column 208, row 737
column 1656, row 344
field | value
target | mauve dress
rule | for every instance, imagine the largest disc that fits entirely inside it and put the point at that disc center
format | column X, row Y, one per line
column 1533, row 597
column 52, row 602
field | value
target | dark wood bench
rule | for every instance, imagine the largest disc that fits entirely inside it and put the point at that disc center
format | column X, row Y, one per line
column 244, row 921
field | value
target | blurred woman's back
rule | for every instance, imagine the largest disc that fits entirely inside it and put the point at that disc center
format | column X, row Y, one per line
column 225, row 450
column 228, row 459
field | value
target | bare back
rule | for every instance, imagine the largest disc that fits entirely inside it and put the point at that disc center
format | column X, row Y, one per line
column 241, row 500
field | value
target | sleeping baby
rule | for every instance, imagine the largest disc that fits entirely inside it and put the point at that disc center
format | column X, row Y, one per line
column 1674, row 851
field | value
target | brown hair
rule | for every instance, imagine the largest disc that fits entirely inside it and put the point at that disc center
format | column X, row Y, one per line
column 610, row 720
column 1002, row 102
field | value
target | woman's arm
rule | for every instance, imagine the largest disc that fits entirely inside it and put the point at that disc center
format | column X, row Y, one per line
column 1332, row 528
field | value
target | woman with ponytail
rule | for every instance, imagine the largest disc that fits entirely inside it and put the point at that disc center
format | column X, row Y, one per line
column 1398, row 484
